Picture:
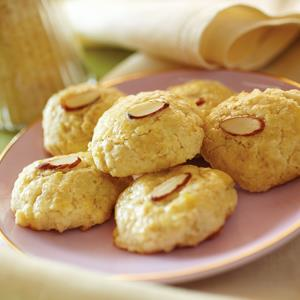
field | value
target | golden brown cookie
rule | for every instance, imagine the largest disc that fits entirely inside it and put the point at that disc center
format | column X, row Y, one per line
column 255, row 138
column 70, row 116
column 175, row 208
column 64, row 192
column 145, row 133
column 205, row 94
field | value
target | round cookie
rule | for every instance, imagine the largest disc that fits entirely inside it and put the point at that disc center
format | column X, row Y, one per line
column 70, row 116
column 64, row 192
column 145, row 133
column 174, row 208
column 205, row 94
column 255, row 138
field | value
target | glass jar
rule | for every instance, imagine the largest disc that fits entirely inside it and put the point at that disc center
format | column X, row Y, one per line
column 38, row 56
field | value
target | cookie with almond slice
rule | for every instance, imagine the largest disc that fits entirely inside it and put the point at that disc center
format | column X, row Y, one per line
column 64, row 192
column 173, row 208
column 255, row 138
column 70, row 116
column 204, row 94
column 147, row 132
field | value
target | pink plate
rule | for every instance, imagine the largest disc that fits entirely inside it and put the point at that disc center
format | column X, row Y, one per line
column 262, row 222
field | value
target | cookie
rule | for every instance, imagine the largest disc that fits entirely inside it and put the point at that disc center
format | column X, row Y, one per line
column 205, row 94
column 64, row 192
column 146, row 133
column 255, row 138
column 70, row 116
column 174, row 208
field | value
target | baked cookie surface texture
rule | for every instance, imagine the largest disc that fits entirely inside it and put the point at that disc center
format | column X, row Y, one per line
column 205, row 94
column 175, row 208
column 145, row 133
column 255, row 138
column 70, row 116
column 63, row 192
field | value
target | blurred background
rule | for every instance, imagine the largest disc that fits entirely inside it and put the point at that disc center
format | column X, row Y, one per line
column 46, row 45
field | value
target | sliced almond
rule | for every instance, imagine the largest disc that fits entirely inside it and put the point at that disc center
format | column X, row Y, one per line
column 59, row 163
column 169, row 186
column 200, row 101
column 146, row 109
column 79, row 101
column 243, row 125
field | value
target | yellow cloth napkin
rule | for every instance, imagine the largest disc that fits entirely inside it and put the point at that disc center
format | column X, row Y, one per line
column 27, row 278
column 245, row 34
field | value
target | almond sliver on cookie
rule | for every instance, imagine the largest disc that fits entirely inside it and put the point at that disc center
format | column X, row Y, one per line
column 243, row 125
column 200, row 102
column 146, row 109
column 169, row 186
column 60, row 163
column 79, row 101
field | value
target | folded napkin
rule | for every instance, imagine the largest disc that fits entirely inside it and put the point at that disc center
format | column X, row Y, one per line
column 245, row 34
column 27, row 278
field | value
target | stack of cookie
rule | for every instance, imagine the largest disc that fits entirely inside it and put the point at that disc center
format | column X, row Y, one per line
column 130, row 153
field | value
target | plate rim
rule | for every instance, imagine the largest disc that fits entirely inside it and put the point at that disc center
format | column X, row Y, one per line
column 186, row 274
